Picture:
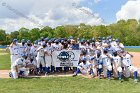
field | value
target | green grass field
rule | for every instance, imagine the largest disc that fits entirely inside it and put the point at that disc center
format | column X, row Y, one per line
column 63, row 84
column 67, row 85
column 133, row 49
column 4, row 60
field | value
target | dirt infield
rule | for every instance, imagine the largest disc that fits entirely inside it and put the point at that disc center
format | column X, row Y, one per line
column 136, row 62
column 4, row 73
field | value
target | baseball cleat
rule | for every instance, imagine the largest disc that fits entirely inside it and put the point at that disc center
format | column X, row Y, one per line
column 136, row 81
column 74, row 75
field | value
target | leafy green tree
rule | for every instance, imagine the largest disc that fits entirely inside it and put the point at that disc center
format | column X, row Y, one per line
column 2, row 35
column 47, row 32
column 14, row 34
column 34, row 34
column 71, row 30
column 60, row 32
column 127, row 30
column 24, row 34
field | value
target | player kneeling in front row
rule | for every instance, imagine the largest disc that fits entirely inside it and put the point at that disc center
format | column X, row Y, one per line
column 32, row 66
column 128, row 68
column 83, row 68
column 18, row 68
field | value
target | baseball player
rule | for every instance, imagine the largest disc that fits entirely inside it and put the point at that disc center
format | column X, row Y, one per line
column 17, row 66
column 14, row 51
column 83, row 67
column 106, row 59
column 48, row 58
column 93, row 66
column 33, row 51
column 28, row 47
column 128, row 68
column 31, row 65
column 98, row 61
column 40, row 58
column 57, row 47
column 22, row 47
column 117, row 66
column 88, row 50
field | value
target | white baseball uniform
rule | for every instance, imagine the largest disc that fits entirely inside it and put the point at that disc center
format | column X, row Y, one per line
column 18, row 64
column 84, row 68
column 22, row 49
column 48, row 58
column 93, row 66
column 14, row 53
column 117, row 65
column 40, row 57
column 127, row 64
column 106, row 64
column 33, row 52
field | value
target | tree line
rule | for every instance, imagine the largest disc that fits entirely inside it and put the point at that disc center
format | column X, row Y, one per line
column 127, row 30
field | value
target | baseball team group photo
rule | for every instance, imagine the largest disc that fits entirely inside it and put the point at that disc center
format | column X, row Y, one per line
column 76, row 46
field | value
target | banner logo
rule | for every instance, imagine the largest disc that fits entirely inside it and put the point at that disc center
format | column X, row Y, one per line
column 66, row 56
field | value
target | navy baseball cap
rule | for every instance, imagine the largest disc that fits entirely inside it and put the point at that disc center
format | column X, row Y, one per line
column 28, row 41
column 92, row 58
column 15, row 40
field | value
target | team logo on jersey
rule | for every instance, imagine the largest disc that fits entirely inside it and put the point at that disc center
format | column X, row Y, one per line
column 65, row 56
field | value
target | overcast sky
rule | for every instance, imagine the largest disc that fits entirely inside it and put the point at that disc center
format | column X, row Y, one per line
column 15, row 14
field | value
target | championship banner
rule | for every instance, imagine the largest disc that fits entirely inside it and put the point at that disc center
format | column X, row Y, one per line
column 66, row 58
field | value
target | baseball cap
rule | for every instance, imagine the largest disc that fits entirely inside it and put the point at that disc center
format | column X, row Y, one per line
column 15, row 40
column 43, row 44
column 83, row 59
column 92, row 58
column 23, row 55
